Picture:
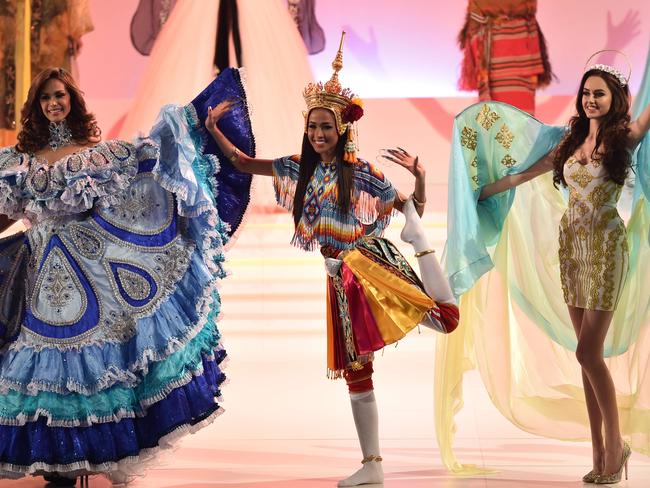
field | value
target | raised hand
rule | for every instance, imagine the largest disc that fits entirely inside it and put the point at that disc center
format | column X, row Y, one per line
column 215, row 114
column 416, row 168
column 621, row 34
column 404, row 159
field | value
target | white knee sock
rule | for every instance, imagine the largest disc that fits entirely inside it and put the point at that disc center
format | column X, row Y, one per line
column 435, row 283
column 366, row 420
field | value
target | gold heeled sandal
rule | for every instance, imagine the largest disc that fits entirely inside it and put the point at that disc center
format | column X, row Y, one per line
column 606, row 479
column 590, row 477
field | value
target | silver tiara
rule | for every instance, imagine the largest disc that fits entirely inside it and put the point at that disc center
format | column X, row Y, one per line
column 622, row 79
column 611, row 70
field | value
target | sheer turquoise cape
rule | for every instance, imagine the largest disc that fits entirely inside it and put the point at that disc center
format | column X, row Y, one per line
column 491, row 140
column 502, row 260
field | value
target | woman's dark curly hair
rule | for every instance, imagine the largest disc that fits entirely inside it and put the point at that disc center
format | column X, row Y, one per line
column 612, row 142
column 35, row 133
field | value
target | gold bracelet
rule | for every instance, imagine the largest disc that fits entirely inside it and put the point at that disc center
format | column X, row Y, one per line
column 419, row 254
column 416, row 201
column 234, row 157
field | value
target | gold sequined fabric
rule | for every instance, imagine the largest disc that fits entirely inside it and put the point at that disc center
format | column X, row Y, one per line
column 593, row 243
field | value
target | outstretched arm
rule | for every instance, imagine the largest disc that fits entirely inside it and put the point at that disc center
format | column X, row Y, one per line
column 639, row 127
column 241, row 161
column 542, row 166
column 416, row 168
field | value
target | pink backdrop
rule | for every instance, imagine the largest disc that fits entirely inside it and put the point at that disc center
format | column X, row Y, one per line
column 401, row 54
column 395, row 49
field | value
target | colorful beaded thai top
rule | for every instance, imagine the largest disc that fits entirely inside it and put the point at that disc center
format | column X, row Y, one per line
column 322, row 224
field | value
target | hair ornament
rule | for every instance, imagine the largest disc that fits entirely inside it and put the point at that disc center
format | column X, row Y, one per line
column 345, row 105
column 607, row 68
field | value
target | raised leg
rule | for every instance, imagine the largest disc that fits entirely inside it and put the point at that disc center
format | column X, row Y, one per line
column 434, row 280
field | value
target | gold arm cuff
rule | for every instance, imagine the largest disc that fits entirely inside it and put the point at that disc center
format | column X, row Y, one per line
column 234, row 157
column 416, row 201
column 419, row 254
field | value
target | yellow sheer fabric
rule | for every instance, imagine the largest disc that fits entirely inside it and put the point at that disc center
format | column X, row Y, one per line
column 528, row 366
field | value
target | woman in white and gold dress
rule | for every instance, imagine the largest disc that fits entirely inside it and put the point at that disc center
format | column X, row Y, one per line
column 593, row 160
column 593, row 249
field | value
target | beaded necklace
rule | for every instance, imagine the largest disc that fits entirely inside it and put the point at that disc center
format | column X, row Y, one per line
column 60, row 135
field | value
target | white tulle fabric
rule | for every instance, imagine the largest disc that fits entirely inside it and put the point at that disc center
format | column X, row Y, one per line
column 276, row 63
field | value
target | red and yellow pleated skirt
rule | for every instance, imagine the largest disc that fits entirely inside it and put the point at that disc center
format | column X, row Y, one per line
column 374, row 300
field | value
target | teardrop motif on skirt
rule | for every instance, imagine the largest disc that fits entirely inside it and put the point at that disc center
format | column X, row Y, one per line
column 63, row 303
column 135, row 285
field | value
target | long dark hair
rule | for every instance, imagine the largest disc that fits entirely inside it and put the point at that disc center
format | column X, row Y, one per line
column 309, row 159
column 35, row 133
column 612, row 133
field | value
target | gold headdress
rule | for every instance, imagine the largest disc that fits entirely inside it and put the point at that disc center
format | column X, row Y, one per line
column 345, row 106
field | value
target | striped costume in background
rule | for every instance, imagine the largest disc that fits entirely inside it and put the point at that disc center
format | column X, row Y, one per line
column 504, row 52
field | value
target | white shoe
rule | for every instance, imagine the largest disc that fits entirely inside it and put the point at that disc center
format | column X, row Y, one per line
column 371, row 473
column 364, row 411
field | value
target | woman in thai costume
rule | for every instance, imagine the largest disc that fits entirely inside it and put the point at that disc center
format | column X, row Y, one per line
column 592, row 160
column 341, row 205
column 109, row 347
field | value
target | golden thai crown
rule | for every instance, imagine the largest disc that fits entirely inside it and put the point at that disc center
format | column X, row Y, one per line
column 344, row 104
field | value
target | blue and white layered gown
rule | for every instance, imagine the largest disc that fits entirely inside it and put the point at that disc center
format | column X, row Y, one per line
column 109, row 346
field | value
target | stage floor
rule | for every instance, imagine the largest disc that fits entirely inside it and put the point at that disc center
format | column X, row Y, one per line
column 286, row 425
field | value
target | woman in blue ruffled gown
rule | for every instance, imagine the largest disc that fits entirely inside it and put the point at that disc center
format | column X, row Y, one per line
column 109, row 347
